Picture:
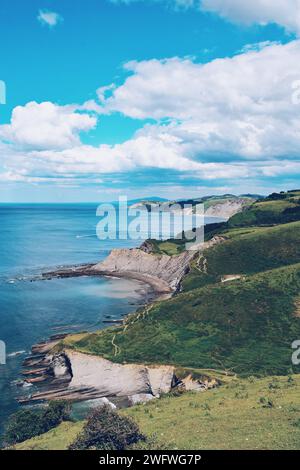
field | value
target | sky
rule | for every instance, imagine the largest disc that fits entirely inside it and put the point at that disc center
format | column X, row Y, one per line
column 168, row 98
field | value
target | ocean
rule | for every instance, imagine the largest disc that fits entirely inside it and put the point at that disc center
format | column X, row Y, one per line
column 36, row 238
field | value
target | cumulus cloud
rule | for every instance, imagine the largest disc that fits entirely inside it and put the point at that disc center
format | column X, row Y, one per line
column 46, row 125
column 49, row 18
column 285, row 13
column 240, row 105
column 232, row 118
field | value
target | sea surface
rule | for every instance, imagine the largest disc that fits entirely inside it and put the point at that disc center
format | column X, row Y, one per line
column 37, row 238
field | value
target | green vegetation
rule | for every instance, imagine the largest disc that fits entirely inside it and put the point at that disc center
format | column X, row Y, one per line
column 246, row 251
column 28, row 423
column 107, row 430
column 245, row 414
column 282, row 208
column 59, row 438
column 276, row 209
column 176, row 246
column 246, row 326
column 167, row 247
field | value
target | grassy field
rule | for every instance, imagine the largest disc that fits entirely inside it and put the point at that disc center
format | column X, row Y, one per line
column 57, row 439
column 246, row 326
column 283, row 208
column 262, row 213
column 246, row 251
column 246, row 414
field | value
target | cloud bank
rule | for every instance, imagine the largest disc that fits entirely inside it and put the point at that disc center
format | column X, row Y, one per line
column 232, row 118
column 285, row 13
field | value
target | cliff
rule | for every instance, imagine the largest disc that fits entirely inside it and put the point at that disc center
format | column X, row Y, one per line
column 163, row 272
column 227, row 208
column 222, row 207
column 72, row 375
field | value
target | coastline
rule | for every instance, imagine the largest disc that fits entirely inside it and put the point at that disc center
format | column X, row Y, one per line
column 156, row 284
column 161, row 273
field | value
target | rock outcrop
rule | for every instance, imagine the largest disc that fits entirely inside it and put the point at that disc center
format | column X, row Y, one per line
column 227, row 208
column 163, row 272
column 113, row 379
column 76, row 376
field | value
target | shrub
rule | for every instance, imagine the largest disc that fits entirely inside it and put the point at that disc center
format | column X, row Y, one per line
column 266, row 402
column 107, row 430
column 28, row 423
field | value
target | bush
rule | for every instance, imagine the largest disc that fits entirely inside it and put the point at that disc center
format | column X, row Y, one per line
column 107, row 430
column 28, row 423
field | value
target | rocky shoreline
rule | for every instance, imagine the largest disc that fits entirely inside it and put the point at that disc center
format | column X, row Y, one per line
column 158, row 286
column 162, row 273
column 76, row 376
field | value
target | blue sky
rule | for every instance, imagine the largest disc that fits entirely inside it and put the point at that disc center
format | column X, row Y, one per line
column 176, row 122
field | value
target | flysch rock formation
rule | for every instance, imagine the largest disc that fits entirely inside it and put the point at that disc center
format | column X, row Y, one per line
column 163, row 272
column 76, row 376
column 227, row 209
column 224, row 209
column 118, row 379
column 84, row 376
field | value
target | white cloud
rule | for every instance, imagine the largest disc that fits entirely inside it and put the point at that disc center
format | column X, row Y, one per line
column 240, row 105
column 257, row 46
column 229, row 119
column 46, row 125
column 283, row 12
column 49, row 18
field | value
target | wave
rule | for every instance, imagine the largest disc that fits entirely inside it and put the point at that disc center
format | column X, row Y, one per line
column 86, row 236
column 16, row 353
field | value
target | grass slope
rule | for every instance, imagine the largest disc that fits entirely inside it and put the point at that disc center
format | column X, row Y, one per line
column 275, row 209
column 246, row 251
column 57, row 439
column 244, row 414
column 235, row 416
column 246, row 326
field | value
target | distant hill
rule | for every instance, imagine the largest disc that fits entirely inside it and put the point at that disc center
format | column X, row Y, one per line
column 278, row 208
column 223, row 206
column 246, row 251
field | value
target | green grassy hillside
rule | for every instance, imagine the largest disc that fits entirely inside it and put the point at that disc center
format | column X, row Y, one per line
column 275, row 209
column 246, row 326
column 245, row 414
column 57, row 439
column 246, row 251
